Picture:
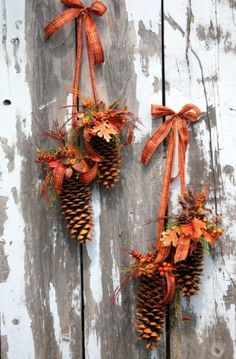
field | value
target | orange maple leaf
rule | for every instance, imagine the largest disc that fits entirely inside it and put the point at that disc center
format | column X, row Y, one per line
column 187, row 229
column 198, row 226
column 105, row 130
column 209, row 238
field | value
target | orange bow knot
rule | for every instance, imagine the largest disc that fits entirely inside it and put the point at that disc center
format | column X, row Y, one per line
column 188, row 112
column 174, row 127
column 77, row 8
column 94, row 46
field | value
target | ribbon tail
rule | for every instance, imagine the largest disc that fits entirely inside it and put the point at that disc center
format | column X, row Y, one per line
column 58, row 178
column 166, row 185
column 77, row 69
column 93, row 39
column 154, row 142
column 183, row 144
column 162, row 254
column 182, row 249
column 170, row 283
column 62, row 19
column 89, row 176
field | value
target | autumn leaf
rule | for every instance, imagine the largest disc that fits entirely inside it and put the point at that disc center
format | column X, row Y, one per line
column 209, row 238
column 198, row 225
column 187, row 229
column 105, row 130
column 170, row 237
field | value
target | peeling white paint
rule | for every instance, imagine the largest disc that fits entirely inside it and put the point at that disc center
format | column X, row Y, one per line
column 186, row 86
column 76, row 302
column 42, row 107
column 63, row 340
column 55, row 314
column 145, row 93
column 93, row 250
column 17, row 324
column 115, row 274
column 93, row 345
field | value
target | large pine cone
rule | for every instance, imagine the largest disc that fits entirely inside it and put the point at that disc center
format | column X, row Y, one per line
column 76, row 207
column 150, row 314
column 188, row 272
column 109, row 167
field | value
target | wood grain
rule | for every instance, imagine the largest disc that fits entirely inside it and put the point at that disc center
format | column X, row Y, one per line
column 56, row 296
column 198, row 56
column 121, row 213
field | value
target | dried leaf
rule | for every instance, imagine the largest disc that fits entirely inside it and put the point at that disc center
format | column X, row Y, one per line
column 171, row 237
column 209, row 238
column 187, row 229
column 105, row 130
column 198, row 225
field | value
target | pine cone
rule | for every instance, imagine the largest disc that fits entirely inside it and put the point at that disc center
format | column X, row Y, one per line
column 188, row 272
column 76, row 207
column 150, row 314
column 109, row 167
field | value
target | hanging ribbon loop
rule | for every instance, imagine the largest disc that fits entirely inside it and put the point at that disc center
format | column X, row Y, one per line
column 94, row 46
column 176, row 125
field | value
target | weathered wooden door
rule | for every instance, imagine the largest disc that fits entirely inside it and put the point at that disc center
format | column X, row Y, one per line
column 54, row 295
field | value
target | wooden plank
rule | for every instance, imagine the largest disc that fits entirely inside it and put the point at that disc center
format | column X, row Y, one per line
column 200, row 68
column 131, row 34
column 40, row 266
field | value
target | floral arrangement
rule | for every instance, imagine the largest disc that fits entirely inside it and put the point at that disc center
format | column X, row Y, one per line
column 91, row 149
column 70, row 170
column 187, row 236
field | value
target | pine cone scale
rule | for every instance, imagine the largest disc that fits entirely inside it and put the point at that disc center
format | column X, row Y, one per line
column 77, row 210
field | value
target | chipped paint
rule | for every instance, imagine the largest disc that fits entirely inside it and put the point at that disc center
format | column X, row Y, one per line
column 203, row 81
column 93, row 250
column 93, row 345
column 13, row 300
column 115, row 274
column 54, row 312
column 147, row 59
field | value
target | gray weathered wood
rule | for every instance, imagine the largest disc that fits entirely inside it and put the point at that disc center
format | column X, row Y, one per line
column 109, row 329
column 41, row 295
column 200, row 69
column 40, row 302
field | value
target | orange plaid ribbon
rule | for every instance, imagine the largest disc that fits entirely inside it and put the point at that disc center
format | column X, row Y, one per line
column 176, row 125
column 94, row 46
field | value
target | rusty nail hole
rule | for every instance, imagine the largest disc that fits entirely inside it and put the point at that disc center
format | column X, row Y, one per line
column 7, row 102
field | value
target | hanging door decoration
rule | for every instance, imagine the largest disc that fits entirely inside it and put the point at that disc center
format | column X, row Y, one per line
column 91, row 149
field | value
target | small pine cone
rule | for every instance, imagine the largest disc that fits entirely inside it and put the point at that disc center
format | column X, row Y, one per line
column 188, row 272
column 77, row 210
column 109, row 167
column 150, row 314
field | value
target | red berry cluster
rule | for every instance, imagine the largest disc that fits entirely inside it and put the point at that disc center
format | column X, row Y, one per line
column 44, row 157
column 164, row 268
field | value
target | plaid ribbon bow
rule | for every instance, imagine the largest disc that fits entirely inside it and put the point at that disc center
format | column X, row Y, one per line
column 176, row 125
column 94, row 46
